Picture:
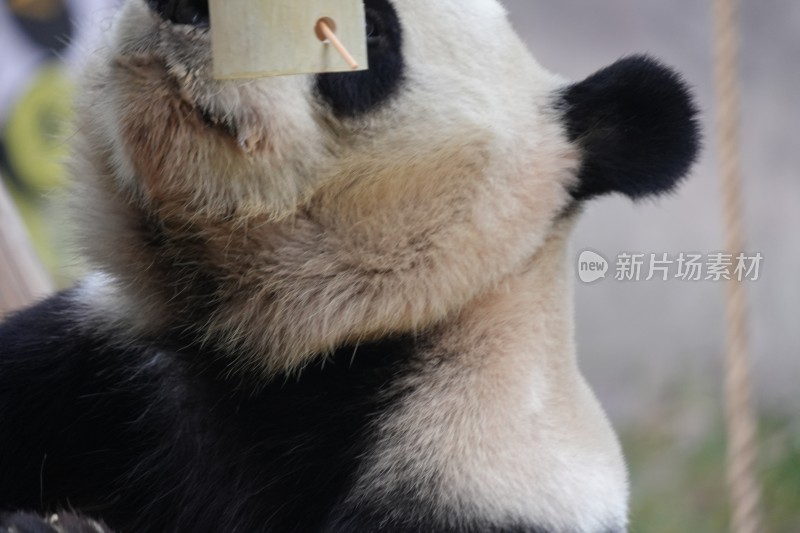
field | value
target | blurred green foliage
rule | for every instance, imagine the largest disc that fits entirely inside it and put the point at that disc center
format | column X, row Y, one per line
column 33, row 147
column 679, row 486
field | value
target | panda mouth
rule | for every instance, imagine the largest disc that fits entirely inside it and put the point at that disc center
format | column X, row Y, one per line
column 189, row 12
column 223, row 126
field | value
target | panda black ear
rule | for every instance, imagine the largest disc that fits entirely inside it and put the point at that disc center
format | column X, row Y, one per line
column 636, row 125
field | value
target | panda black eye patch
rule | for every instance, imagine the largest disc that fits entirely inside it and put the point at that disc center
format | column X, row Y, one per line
column 350, row 94
column 376, row 33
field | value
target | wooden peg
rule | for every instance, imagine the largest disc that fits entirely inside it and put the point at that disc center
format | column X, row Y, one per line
column 259, row 38
column 326, row 30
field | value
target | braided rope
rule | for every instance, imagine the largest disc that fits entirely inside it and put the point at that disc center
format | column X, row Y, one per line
column 745, row 492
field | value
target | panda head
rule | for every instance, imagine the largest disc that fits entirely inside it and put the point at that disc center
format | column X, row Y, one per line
column 456, row 152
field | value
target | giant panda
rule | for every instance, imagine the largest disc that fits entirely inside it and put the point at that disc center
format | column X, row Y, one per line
column 332, row 303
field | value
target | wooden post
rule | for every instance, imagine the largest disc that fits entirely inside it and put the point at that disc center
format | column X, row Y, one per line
column 259, row 38
column 22, row 278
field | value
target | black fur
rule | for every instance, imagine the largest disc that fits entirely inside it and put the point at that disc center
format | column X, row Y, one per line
column 636, row 125
column 350, row 94
column 157, row 436
column 407, row 514
column 194, row 12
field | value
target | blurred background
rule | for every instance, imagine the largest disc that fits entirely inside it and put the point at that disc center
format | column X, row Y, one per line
column 652, row 350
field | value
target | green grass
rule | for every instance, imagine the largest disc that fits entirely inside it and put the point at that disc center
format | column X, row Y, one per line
column 678, row 481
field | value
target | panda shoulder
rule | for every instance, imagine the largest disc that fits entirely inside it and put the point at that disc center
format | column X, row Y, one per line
column 51, row 329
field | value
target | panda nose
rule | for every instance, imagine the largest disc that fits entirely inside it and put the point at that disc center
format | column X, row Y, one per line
column 191, row 12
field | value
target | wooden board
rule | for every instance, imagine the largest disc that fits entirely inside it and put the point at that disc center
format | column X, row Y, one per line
column 259, row 38
column 22, row 278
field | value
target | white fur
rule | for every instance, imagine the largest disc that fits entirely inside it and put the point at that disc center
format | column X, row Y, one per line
column 508, row 423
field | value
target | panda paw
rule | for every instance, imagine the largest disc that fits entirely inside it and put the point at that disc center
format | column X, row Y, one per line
column 56, row 523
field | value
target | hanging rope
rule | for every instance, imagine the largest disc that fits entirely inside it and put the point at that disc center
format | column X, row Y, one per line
column 745, row 491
